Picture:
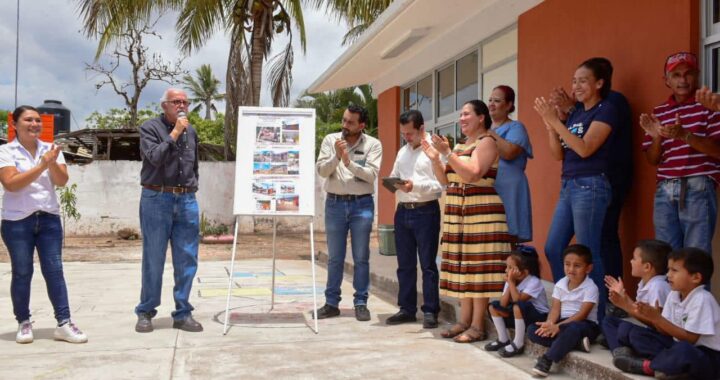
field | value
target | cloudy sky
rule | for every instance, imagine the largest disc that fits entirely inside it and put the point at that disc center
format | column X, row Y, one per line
column 53, row 53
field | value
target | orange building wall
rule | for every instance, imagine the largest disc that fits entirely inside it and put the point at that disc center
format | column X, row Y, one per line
column 48, row 127
column 637, row 36
column 389, row 135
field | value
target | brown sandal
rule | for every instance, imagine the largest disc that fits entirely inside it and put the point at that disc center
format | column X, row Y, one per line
column 454, row 331
column 472, row 334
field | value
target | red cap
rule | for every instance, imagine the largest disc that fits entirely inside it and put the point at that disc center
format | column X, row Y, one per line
column 676, row 59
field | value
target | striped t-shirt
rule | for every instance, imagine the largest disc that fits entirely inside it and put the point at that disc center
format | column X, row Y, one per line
column 678, row 159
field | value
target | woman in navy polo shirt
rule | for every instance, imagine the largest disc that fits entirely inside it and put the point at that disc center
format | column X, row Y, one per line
column 582, row 143
column 29, row 171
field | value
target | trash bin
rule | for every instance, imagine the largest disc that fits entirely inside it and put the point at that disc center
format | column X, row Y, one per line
column 386, row 234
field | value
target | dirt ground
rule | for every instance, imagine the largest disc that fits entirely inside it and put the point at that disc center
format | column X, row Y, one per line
column 289, row 246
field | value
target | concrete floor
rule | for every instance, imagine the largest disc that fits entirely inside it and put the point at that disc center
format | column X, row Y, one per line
column 258, row 345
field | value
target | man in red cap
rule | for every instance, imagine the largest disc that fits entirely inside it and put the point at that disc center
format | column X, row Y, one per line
column 682, row 138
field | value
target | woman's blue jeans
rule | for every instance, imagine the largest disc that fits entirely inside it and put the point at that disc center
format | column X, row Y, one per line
column 580, row 212
column 41, row 231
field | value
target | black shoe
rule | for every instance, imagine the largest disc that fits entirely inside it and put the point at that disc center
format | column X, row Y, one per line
column 362, row 313
column 400, row 317
column 327, row 311
column 516, row 351
column 144, row 323
column 584, row 345
column 430, row 320
column 601, row 340
column 542, row 367
column 495, row 345
column 188, row 324
column 629, row 364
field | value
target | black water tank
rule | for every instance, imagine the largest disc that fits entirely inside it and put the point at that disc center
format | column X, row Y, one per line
column 62, row 115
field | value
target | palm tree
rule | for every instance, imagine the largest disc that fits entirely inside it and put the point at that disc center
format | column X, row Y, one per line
column 251, row 24
column 204, row 90
column 359, row 15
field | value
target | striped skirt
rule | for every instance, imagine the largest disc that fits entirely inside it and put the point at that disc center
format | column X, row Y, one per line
column 475, row 242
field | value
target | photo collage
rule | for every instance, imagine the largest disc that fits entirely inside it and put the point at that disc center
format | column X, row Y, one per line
column 276, row 166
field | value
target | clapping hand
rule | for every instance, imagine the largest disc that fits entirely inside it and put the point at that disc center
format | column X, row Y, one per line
column 341, row 151
column 673, row 131
column 650, row 124
column 615, row 285
column 562, row 102
column 708, row 99
column 650, row 313
column 50, row 156
column 429, row 151
column 546, row 110
column 441, row 144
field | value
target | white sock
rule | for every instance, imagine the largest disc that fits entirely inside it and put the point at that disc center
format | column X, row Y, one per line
column 519, row 339
column 501, row 329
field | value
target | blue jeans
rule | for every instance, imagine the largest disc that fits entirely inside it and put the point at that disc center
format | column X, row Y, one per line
column 44, row 232
column 690, row 223
column 580, row 211
column 173, row 217
column 417, row 233
column 341, row 216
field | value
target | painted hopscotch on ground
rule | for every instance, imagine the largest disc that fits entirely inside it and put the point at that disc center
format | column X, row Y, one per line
column 252, row 292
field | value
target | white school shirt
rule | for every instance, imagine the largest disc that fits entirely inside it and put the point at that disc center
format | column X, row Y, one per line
column 532, row 286
column 698, row 313
column 571, row 300
column 37, row 196
column 414, row 165
column 656, row 290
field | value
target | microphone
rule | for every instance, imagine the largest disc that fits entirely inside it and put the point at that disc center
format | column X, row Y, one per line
column 182, row 114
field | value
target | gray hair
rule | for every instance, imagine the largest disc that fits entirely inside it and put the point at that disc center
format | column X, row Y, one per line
column 164, row 97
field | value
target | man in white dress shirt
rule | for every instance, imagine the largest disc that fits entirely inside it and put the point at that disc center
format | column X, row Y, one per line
column 417, row 224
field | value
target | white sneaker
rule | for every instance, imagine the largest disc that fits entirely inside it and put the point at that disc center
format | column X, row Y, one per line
column 24, row 333
column 70, row 333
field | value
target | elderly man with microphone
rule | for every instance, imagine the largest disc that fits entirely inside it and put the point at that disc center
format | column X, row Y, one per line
column 169, row 210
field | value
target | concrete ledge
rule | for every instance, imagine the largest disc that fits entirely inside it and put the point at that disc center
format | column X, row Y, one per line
column 577, row 365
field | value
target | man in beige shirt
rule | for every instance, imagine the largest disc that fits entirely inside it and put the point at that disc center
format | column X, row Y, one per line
column 349, row 160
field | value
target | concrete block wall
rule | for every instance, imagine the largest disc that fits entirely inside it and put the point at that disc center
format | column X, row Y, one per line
column 108, row 199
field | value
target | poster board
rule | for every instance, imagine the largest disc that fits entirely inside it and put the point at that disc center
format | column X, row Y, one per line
column 275, row 162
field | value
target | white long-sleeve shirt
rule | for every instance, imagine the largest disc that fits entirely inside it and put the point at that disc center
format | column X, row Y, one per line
column 414, row 165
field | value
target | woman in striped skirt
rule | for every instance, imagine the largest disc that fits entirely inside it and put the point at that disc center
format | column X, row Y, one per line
column 475, row 239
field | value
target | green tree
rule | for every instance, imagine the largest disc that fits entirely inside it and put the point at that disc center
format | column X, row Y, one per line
column 330, row 106
column 359, row 15
column 204, row 90
column 117, row 118
column 4, row 122
column 209, row 131
column 251, row 24
column 68, row 204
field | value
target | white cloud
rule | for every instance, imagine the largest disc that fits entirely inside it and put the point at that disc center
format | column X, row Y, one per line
column 53, row 53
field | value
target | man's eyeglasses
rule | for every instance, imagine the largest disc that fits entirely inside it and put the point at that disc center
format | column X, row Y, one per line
column 179, row 102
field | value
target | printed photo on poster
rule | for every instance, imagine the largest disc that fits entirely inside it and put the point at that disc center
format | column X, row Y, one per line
column 267, row 134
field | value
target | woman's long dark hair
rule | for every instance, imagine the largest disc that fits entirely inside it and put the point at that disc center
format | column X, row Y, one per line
column 480, row 108
column 602, row 69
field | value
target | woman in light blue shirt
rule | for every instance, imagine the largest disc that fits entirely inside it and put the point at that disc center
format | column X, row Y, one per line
column 30, row 169
column 514, row 146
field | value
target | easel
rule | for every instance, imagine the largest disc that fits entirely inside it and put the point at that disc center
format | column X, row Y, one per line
column 272, row 300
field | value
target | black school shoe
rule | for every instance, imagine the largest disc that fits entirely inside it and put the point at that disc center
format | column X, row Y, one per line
column 430, row 320
column 399, row 318
column 542, row 367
